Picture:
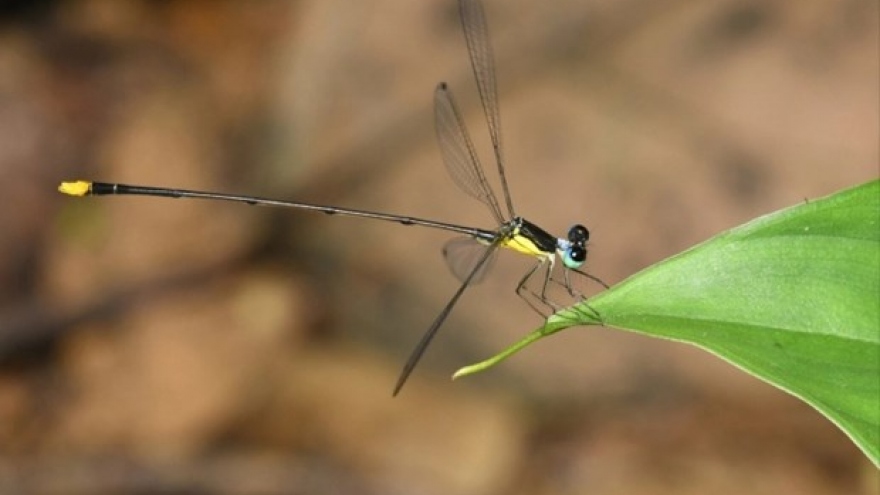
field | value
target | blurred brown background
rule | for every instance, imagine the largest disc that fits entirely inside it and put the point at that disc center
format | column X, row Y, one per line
column 158, row 346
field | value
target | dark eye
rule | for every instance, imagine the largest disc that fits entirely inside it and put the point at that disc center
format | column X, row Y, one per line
column 578, row 234
column 574, row 256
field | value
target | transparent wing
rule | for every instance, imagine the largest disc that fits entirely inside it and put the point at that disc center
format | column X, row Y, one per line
column 476, row 33
column 416, row 355
column 458, row 152
column 462, row 254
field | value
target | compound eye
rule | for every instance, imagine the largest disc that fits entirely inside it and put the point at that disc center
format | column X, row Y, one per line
column 578, row 234
column 574, row 256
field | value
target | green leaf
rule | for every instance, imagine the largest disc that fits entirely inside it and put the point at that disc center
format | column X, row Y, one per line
column 792, row 298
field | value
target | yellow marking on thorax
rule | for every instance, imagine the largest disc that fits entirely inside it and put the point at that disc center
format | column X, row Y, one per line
column 524, row 245
column 77, row 188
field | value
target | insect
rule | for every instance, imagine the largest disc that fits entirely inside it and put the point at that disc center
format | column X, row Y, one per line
column 460, row 157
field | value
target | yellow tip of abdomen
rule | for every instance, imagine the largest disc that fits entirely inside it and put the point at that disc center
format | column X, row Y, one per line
column 77, row 188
